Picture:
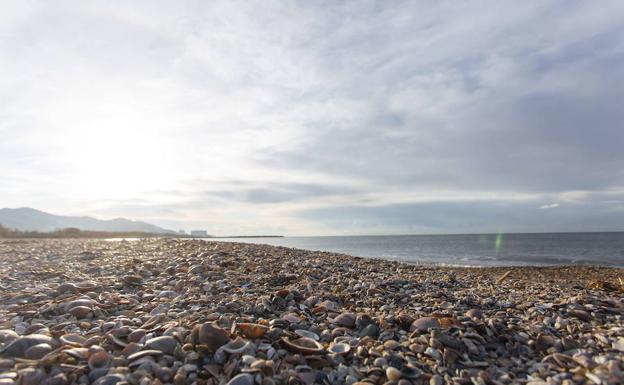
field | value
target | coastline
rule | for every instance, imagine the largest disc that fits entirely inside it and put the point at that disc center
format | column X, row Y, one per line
column 132, row 308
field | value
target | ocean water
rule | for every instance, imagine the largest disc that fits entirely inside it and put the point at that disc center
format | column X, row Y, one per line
column 605, row 249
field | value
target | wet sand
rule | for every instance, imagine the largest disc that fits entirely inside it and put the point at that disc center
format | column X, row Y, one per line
column 161, row 311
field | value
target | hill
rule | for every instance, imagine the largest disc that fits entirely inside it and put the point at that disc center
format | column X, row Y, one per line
column 29, row 219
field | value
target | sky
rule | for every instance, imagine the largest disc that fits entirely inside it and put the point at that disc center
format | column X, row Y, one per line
column 316, row 117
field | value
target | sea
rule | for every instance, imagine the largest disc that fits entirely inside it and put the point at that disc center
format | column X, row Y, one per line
column 543, row 249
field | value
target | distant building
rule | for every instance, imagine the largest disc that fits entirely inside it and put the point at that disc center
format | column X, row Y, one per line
column 181, row 232
column 199, row 233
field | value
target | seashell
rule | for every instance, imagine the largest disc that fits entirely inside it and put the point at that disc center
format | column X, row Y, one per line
column 447, row 340
column 79, row 353
column 130, row 349
column 8, row 335
column 80, row 311
column 544, row 341
column 37, row 351
column 237, row 346
column 292, row 318
column 404, row 320
column 86, row 302
column 133, row 280
column 279, row 323
column 109, row 379
column 425, row 323
column 85, row 286
column 580, row 314
column 99, row 359
column 410, row 372
column 345, row 319
column 67, row 288
column 93, row 340
column 303, row 345
column 340, row 348
column 317, row 361
column 18, row 347
column 165, row 344
column 474, row 313
column 319, row 309
column 32, row 376
column 252, row 331
column 210, row 335
column 448, row 322
column 307, row 333
column 329, row 305
column 339, row 331
column 73, row 340
column 264, row 366
column 242, row 379
column 136, row 335
column 116, row 340
column 37, row 328
column 144, row 353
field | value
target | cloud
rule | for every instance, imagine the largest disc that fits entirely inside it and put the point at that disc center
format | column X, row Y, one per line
column 550, row 206
column 241, row 116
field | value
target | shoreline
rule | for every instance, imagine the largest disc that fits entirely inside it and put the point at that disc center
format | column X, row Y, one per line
column 210, row 312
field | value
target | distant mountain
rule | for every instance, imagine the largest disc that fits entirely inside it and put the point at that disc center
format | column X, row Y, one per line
column 27, row 219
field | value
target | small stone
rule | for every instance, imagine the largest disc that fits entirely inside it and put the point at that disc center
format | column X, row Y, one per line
column 370, row 330
column 380, row 362
column 393, row 374
column 390, row 344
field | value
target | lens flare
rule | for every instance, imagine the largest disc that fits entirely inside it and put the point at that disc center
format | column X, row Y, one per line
column 499, row 242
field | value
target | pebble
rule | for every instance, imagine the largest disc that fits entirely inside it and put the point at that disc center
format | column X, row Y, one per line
column 182, row 312
column 393, row 374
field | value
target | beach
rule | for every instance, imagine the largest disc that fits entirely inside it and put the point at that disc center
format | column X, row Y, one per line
column 172, row 311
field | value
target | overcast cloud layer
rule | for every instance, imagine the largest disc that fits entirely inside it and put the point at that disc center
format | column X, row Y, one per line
column 317, row 118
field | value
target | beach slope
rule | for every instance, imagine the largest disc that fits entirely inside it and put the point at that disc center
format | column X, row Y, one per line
column 159, row 311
